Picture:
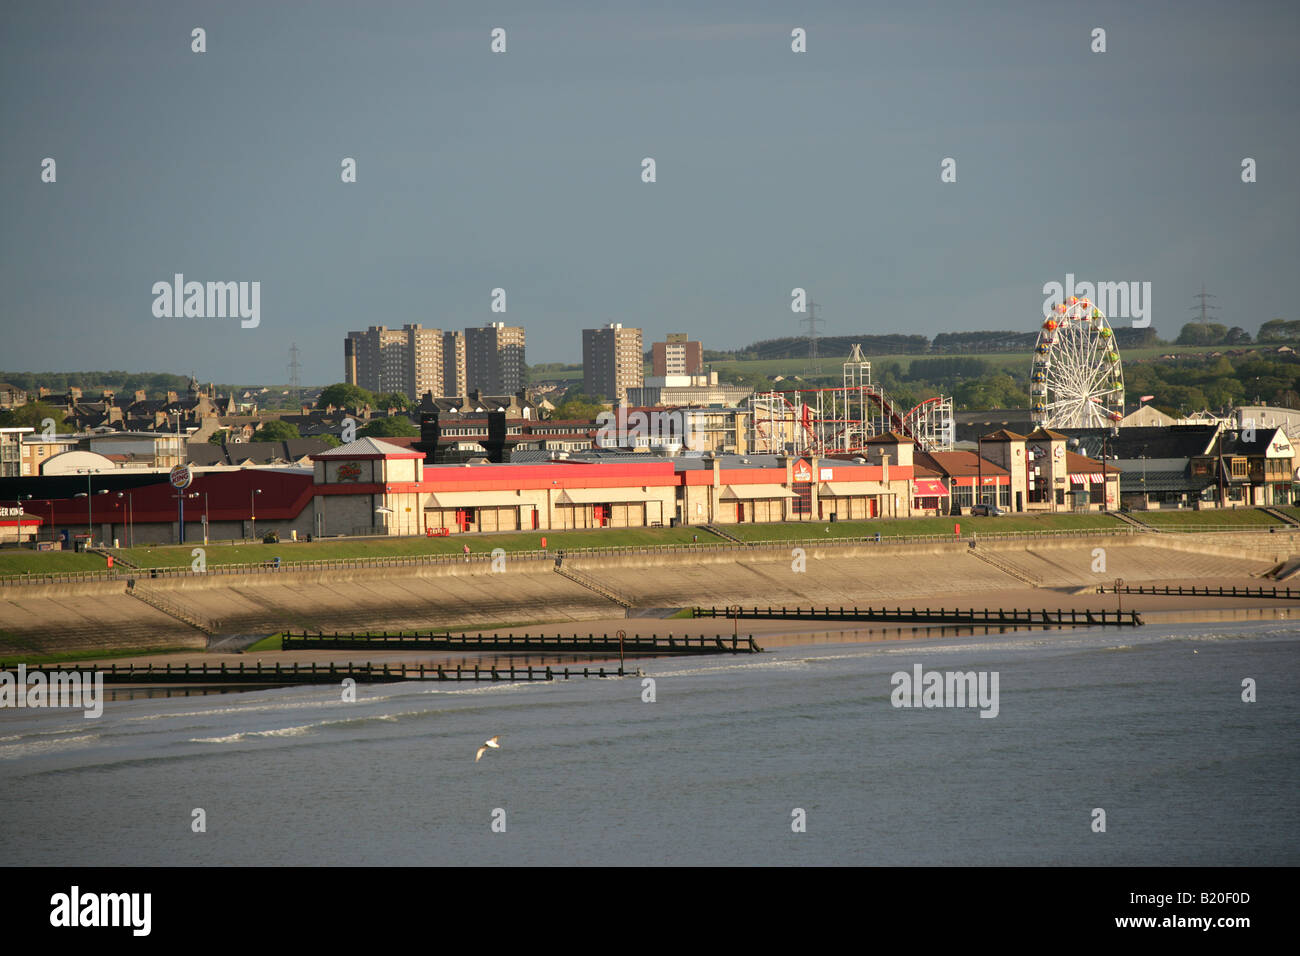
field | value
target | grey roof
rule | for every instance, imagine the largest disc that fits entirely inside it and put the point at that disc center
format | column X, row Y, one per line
column 733, row 461
column 1133, row 482
column 1172, row 441
column 363, row 446
column 260, row 452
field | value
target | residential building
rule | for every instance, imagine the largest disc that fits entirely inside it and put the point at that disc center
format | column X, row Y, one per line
column 612, row 362
column 455, row 380
column 677, row 356
column 494, row 359
column 688, row 390
column 408, row 360
column 11, row 396
column 11, row 451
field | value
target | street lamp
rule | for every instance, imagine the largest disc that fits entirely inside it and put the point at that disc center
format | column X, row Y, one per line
column 130, row 517
column 89, row 523
column 1105, row 480
column 252, row 511
column 1145, row 502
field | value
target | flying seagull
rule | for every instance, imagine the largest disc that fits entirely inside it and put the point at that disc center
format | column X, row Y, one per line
column 490, row 742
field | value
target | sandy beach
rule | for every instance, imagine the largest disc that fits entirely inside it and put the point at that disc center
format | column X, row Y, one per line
column 1154, row 609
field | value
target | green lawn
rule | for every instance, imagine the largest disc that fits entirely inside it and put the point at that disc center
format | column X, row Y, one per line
column 15, row 561
column 1210, row 518
column 914, row 526
column 9, row 654
column 180, row 555
column 18, row 560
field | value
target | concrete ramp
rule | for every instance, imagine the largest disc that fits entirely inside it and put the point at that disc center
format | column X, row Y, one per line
column 1284, row 569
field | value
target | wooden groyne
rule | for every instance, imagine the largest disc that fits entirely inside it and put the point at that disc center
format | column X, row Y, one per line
column 285, row 674
column 1068, row 617
column 1277, row 594
column 635, row 645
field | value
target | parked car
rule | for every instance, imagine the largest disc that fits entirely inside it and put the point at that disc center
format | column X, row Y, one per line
column 987, row 510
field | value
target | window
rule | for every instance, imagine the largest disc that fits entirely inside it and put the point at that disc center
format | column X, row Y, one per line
column 802, row 497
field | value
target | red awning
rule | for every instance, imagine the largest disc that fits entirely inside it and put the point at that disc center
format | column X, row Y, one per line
column 929, row 488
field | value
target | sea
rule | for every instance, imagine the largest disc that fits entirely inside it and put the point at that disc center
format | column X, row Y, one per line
column 1109, row 747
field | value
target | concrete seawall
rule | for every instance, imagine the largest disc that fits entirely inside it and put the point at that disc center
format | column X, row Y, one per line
column 46, row 618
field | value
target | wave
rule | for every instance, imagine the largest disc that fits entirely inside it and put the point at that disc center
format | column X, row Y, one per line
column 247, row 734
column 12, row 751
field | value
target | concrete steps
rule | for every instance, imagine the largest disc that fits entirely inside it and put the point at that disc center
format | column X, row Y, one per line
column 1127, row 518
column 1282, row 516
column 1007, row 567
column 591, row 584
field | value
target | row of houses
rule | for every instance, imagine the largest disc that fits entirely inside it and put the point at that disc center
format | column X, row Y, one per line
column 370, row 487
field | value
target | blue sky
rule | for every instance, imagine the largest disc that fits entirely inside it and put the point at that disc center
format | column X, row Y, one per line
column 522, row 170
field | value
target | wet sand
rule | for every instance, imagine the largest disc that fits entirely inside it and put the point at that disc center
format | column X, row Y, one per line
column 1155, row 609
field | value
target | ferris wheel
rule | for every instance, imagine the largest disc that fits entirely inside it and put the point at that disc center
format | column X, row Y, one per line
column 1076, row 380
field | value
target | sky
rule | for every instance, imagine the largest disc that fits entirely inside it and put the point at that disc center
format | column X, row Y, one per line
column 522, row 170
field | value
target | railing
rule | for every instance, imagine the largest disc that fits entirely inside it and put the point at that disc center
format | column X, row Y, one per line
column 316, row 673
column 1012, row 617
column 1279, row 594
column 558, row 643
column 184, row 615
column 591, row 584
column 1006, row 567
column 347, row 564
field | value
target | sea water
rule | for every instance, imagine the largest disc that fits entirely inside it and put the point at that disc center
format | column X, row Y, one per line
column 795, row 756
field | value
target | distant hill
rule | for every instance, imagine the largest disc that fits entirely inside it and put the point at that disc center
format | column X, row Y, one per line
column 796, row 347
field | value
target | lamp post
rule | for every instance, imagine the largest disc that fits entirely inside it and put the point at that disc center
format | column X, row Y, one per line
column 1105, row 480
column 90, row 531
column 130, row 517
column 21, row 512
column 1145, row 502
column 90, row 524
column 193, row 494
column 205, row 519
column 252, row 511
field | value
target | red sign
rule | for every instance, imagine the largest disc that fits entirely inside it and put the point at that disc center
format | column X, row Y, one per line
column 350, row 471
column 802, row 472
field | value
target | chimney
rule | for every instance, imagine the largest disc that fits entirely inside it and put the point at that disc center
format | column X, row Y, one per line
column 139, row 395
column 496, row 436
column 172, row 398
column 430, row 430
